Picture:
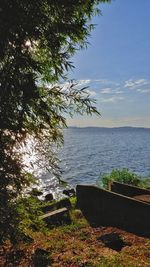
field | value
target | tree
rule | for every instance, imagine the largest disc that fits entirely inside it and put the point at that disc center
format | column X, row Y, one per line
column 37, row 40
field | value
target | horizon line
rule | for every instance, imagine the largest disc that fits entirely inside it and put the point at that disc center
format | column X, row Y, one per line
column 105, row 127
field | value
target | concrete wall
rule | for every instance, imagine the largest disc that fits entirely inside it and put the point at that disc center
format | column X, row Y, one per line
column 102, row 207
column 128, row 190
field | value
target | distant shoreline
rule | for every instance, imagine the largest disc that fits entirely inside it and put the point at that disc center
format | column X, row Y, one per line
column 115, row 128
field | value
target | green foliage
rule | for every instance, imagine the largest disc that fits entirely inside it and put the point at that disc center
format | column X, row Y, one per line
column 73, row 201
column 29, row 210
column 124, row 176
column 37, row 40
column 19, row 219
column 78, row 222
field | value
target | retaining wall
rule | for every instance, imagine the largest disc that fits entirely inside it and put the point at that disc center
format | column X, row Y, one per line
column 128, row 190
column 102, row 207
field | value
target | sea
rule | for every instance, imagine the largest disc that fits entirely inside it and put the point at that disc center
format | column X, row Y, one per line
column 89, row 153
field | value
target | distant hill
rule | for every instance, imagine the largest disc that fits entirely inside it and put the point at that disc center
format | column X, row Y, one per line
column 110, row 128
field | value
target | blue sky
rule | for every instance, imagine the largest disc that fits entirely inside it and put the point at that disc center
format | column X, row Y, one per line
column 116, row 65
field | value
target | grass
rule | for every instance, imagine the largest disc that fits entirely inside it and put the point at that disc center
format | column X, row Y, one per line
column 78, row 245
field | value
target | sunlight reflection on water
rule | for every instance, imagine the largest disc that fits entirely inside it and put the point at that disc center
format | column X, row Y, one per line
column 88, row 153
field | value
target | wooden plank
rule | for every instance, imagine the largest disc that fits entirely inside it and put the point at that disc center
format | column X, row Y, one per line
column 57, row 217
column 53, row 213
column 145, row 198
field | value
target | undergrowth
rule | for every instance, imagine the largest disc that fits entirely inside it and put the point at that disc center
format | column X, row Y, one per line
column 124, row 176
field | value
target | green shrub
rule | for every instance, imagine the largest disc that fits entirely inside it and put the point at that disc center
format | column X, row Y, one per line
column 124, row 176
column 28, row 210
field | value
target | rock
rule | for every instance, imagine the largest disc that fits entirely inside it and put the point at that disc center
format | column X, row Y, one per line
column 69, row 192
column 65, row 202
column 35, row 192
column 57, row 217
column 49, row 197
column 41, row 258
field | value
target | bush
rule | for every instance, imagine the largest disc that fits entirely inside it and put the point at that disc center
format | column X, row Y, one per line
column 124, row 176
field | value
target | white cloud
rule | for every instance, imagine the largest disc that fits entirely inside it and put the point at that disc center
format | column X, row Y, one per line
column 133, row 84
column 91, row 92
column 106, row 82
column 143, row 91
column 111, row 91
column 113, row 99
column 77, row 83
column 106, row 90
column 118, row 92
column 96, row 81
column 83, row 82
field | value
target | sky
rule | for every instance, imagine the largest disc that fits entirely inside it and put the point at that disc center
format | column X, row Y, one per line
column 116, row 66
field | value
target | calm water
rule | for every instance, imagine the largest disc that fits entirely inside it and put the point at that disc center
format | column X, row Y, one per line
column 88, row 153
